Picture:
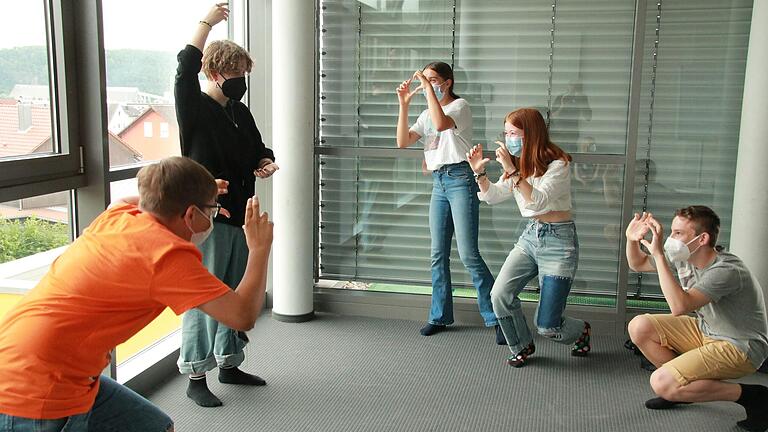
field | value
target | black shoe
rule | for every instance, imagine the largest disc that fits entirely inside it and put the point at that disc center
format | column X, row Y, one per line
column 754, row 399
column 646, row 364
column 583, row 346
column 658, row 403
column 500, row 339
column 430, row 329
column 518, row 360
column 632, row 347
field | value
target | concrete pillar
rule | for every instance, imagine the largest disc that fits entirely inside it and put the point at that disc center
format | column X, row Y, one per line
column 749, row 233
column 293, row 132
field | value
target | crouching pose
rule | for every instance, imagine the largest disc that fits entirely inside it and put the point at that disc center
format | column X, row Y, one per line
column 537, row 175
column 726, row 339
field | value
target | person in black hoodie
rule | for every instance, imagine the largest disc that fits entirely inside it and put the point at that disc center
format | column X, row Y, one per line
column 219, row 132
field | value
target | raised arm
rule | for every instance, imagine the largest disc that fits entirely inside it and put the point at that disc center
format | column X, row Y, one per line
column 218, row 13
column 439, row 119
column 638, row 260
column 239, row 309
column 680, row 301
column 405, row 136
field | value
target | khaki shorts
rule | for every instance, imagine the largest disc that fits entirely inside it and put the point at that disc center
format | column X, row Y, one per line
column 701, row 357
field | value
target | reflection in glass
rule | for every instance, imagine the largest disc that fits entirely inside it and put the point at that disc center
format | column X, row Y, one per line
column 692, row 144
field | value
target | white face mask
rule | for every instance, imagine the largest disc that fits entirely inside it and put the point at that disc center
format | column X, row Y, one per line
column 677, row 251
column 199, row 237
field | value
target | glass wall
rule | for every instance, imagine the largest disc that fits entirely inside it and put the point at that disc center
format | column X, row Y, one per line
column 572, row 60
column 140, row 73
column 51, row 133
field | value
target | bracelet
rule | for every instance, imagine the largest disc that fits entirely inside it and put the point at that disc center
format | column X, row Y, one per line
column 514, row 174
column 206, row 23
column 478, row 175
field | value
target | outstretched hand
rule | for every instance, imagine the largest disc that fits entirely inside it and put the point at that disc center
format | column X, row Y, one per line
column 218, row 13
column 505, row 159
column 476, row 160
column 638, row 228
column 266, row 170
column 404, row 93
column 257, row 227
column 656, row 245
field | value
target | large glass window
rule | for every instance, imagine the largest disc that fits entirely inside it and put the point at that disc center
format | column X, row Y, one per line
column 25, row 93
column 141, row 66
column 33, row 232
column 690, row 112
column 571, row 59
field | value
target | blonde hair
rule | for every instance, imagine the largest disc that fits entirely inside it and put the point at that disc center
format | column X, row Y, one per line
column 225, row 57
column 167, row 188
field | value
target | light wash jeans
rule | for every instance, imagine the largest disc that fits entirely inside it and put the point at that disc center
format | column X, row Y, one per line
column 551, row 251
column 455, row 208
column 116, row 408
column 206, row 343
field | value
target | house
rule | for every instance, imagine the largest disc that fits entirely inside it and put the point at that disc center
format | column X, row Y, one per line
column 155, row 133
column 25, row 129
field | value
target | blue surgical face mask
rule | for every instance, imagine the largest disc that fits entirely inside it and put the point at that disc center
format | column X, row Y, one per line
column 438, row 93
column 514, row 145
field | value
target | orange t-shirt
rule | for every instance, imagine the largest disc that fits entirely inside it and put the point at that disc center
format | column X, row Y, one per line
column 110, row 283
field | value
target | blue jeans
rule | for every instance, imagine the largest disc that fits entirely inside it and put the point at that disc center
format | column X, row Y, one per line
column 205, row 342
column 551, row 251
column 116, row 409
column 455, row 208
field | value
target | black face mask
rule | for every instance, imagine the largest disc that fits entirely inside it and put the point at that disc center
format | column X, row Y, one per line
column 234, row 88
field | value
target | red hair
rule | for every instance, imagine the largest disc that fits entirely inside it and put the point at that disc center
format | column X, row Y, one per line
column 538, row 150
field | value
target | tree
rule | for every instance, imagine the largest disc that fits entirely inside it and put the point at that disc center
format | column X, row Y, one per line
column 23, row 237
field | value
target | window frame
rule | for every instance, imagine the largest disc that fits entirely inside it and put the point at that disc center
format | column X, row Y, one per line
column 39, row 174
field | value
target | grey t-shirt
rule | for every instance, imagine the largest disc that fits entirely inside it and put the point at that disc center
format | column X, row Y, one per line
column 737, row 310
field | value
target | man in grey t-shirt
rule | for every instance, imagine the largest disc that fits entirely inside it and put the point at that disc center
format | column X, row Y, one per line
column 727, row 339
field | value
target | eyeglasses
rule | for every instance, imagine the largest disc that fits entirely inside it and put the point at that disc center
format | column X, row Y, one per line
column 216, row 207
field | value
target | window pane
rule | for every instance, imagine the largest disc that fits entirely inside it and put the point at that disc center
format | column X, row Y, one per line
column 162, row 328
column 690, row 155
column 502, row 61
column 591, row 71
column 25, row 108
column 375, row 218
column 33, row 232
column 397, row 39
column 141, row 66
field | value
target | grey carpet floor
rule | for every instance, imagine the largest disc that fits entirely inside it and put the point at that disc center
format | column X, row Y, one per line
column 341, row 373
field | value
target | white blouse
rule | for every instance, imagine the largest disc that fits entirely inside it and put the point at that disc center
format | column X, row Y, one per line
column 551, row 192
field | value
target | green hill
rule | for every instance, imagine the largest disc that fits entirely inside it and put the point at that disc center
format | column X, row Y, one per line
column 150, row 71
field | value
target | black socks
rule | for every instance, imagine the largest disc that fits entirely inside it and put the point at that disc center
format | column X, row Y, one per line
column 430, row 329
column 754, row 399
column 198, row 388
column 198, row 392
column 658, row 403
column 236, row 376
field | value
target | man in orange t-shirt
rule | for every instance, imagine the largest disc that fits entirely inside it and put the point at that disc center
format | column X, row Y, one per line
column 131, row 263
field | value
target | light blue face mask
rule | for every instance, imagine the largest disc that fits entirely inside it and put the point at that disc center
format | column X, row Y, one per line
column 514, row 145
column 438, row 93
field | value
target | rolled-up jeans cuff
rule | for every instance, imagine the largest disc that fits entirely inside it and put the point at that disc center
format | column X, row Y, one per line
column 197, row 367
column 230, row 360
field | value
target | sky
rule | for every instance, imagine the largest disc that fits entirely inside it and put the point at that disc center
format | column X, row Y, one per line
column 162, row 25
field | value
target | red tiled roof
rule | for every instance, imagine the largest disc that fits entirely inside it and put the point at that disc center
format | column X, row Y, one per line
column 16, row 143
